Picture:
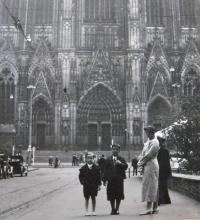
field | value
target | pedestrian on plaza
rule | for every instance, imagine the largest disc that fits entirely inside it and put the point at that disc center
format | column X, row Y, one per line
column 113, row 177
column 134, row 165
column 74, row 160
column 101, row 163
column 56, row 163
column 81, row 158
column 85, row 154
column 1, row 167
column 50, row 161
column 164, row 171
column 148, row 161
column 89, row 177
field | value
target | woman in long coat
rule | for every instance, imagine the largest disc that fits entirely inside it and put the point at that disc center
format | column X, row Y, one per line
column 164, row 172
column 148, row 160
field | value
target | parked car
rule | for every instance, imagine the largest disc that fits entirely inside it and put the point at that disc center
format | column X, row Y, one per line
column 19, row 167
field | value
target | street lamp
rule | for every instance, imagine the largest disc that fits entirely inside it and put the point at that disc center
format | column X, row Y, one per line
column 11, row 96
column 13, row 141
column 13, row 130
column 128, row 144
column 31, row 88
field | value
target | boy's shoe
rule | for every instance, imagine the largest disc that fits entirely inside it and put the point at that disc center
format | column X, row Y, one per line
column 93, row 214
column 87, row 214
column 112, row 212
column 116, row 212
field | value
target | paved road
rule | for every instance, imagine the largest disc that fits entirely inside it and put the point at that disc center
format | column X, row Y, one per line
column 55, row 194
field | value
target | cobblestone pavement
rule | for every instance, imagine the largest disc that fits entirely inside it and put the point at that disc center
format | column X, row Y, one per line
column 55, row 194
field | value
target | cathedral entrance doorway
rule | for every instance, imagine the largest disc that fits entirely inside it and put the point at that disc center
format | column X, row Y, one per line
column 92, row 136
column 99, row 136
column 106, row 136
column 159, row 112
column 100, row 119
column 41, row 135
column 43, row 124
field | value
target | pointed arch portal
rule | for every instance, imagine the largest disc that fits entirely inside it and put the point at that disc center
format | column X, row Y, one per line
column 159, row 112
column 100, row 119
column 43, row 123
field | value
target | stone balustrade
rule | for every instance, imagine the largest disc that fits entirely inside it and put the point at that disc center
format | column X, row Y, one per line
column 186, row 184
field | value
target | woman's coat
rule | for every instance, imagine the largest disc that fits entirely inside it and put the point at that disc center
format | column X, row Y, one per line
column 148, row 160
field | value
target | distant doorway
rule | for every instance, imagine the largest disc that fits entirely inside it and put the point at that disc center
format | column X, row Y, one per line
column 41, row 136
column 92, row 136
column 106, row 136
column 159, row 113
column 43, row 124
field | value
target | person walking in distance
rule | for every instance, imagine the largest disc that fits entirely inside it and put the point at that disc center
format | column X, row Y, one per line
column 90, row 178
column 134, row 165
column 148, row 161
column 113, row 177
column 101, row 163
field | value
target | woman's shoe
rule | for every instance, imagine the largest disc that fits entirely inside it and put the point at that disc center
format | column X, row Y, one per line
column 146, row 212
column 155, row 211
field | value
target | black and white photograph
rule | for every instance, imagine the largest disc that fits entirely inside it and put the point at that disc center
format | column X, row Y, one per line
column 100, row 109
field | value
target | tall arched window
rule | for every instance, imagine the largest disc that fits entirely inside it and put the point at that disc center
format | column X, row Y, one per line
column 155, row 12
column 44, row 12
column 187, row 12
column 7, row 95
column 99, row 10
column 159, row 112
column 13, row 6
column 190, row 82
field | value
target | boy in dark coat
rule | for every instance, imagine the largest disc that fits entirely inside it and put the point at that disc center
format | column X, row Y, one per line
column 114, row 175
column 90, row 178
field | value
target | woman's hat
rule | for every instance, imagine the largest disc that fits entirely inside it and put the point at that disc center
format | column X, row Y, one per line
column 161, row 137
column 150, row 128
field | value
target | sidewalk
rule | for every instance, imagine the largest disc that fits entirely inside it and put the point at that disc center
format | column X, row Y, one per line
column 182, row 207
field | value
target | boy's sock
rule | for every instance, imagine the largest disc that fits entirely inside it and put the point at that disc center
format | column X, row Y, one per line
column 86, row 207
column 93, row 204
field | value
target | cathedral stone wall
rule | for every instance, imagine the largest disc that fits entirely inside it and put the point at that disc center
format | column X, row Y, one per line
column 94, row 74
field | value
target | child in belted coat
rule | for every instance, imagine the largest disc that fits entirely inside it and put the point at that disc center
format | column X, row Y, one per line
column 90, row 178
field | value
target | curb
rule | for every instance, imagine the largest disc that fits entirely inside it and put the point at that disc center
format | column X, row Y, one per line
column 33, row 169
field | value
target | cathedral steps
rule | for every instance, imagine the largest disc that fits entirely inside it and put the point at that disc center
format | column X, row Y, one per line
column 66, row 157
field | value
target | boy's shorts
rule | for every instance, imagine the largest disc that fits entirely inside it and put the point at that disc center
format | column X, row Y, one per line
column 90, row 192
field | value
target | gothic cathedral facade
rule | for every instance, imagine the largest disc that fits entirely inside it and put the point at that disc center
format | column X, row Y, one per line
column 95, row 71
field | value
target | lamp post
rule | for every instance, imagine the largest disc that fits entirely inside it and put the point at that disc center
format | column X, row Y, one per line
column 128, row 144
column 33, row 149
column 13, row 130
column 31, row 88
column 13, row 141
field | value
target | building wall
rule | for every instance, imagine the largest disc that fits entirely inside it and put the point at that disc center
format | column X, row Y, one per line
column 115, row 65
